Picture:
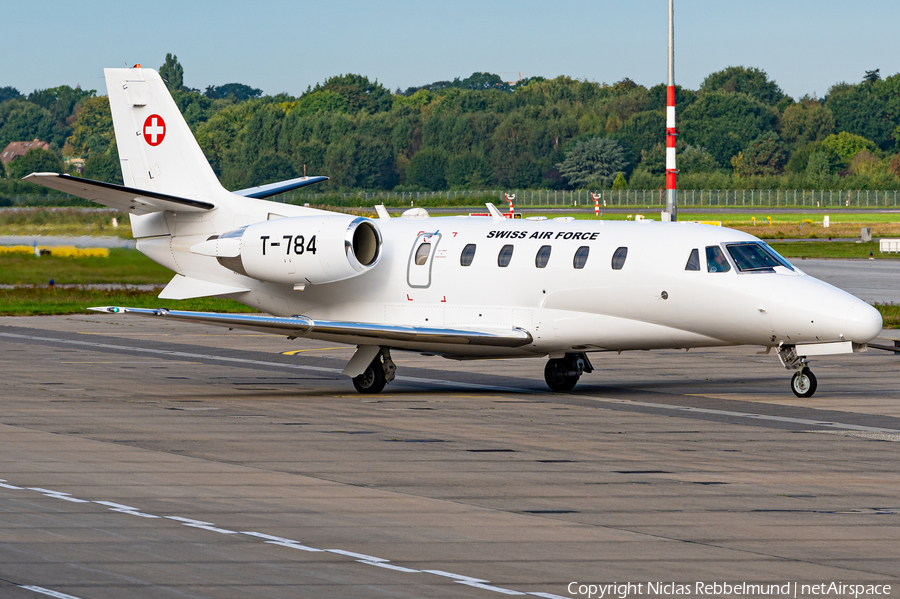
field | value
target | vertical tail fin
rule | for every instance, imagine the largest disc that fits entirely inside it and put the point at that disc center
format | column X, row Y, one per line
column 156, row 147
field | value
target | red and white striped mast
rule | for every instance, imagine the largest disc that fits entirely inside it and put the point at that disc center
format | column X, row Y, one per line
column 671, row 212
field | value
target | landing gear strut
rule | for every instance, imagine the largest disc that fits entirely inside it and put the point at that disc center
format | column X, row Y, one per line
column 803, row 383
column 562, row 374
column 377, row 374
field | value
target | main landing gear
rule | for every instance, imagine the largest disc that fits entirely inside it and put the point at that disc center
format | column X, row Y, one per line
column 377, row 374
column 803, row 383
column 562, row 374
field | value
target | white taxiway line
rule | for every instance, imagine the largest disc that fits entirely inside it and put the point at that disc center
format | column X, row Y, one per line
column 411, row 379
column 361, row 558
column 47, row 592
column 180, row 354
column 688, row 409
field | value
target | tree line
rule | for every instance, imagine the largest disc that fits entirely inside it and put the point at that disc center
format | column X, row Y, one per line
column 739, row 130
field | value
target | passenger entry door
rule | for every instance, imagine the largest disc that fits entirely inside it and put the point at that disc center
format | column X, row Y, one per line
column 418, row 272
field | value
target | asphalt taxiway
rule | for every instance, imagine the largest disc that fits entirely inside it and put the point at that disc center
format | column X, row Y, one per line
column 144, row 458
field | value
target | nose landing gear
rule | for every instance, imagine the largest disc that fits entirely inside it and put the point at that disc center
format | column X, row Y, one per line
column 562, row 374
column 803, row 383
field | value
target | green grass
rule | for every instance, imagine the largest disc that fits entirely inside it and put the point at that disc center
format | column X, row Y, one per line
column 829, row 249
column 65, row 222
column 122, row 266
column 890, row 314
column 792, row 217
column 45, row 301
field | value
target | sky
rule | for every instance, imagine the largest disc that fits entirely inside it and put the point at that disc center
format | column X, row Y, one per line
column 285, row 46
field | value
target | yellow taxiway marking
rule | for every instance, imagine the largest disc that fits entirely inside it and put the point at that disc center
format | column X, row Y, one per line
column 294, row 352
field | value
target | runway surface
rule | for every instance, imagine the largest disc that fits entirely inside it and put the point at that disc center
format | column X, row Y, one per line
column 141, row 458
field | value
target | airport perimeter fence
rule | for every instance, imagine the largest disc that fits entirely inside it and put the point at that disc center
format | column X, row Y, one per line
column 583, row 198
column 550, row 198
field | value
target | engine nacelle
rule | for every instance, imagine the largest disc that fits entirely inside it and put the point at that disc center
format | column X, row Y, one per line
column 299, row 250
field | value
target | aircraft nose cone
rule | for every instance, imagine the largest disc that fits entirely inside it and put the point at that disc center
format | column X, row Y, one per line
column 863, row 323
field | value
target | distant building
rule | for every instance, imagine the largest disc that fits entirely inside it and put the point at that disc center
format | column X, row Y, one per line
column 76, row 163
column 20, row 148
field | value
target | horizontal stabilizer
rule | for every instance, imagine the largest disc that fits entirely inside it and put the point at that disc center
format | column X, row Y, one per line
column 352, row 332
column 126, row 199
column 264, row 191
column 181, row 287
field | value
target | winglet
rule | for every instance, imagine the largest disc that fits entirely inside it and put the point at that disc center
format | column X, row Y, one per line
column 495, row 212
column 382, row 211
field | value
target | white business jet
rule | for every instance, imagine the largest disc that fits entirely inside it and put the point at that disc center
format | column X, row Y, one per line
column 457, row 287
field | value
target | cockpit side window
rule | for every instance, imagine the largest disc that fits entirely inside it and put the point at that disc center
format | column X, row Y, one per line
column 716, row 260
column 693, row 262
column 755, row 257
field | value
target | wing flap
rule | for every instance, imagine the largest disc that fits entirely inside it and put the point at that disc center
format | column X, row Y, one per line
column 353, row 332
column 126, row 199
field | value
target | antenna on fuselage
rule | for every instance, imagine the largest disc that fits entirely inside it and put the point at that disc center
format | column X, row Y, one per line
column 671, row 213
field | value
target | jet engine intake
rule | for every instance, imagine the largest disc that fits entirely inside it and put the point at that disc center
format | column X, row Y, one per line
column 299, row 250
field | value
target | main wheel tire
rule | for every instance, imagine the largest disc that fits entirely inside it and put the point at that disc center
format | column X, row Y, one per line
column 371, row 381
column 803, row 383
column 556, row 373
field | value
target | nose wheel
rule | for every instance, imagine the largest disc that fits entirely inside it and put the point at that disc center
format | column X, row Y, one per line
column 803, row 383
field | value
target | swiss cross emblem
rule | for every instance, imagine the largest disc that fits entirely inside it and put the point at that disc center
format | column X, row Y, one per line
column 154, row 129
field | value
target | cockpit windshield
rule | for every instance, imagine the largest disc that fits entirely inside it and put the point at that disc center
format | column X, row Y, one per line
column 756, row 257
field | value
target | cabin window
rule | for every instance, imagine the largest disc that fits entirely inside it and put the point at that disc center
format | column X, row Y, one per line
column 715, row 260
column 581, row 256
column 542, row 257
column 618, row 259
column 505, row 256
column 422, row 254
column 693, row 262
column 755, row 257
column 468, row 254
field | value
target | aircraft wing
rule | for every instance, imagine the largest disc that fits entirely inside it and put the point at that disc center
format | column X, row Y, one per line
column 264, row 191
column 126, row 199
column 353, row 332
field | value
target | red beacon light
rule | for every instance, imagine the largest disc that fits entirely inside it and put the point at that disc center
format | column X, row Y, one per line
column 137, row 66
